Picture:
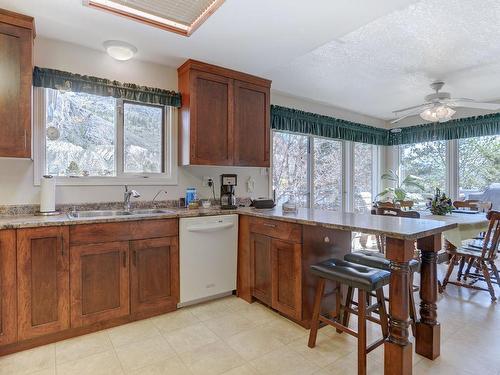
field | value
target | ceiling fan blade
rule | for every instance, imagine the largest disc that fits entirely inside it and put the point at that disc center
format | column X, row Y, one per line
column 410, row 112
column 420, row 106
column 473, row 104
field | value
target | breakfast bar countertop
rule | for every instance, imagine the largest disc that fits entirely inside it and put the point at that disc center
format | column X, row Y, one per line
column 396, row 227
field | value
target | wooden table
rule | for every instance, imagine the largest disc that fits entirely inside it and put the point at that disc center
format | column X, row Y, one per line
column 401, row 234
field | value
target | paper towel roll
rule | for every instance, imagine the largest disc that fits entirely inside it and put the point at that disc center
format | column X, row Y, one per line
column 47, row 194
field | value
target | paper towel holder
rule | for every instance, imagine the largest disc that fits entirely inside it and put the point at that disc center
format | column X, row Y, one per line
column 47, row 213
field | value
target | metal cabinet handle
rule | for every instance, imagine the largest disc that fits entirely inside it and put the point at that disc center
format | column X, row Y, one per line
column 135, row 257
column 62, row 246
column 327, row 239
column 270, row 225
column 124, row 259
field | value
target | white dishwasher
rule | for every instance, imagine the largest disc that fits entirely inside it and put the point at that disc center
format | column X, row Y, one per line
column 208, row 257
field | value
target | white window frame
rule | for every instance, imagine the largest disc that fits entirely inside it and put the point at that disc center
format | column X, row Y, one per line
column 347, row 182
column 168, row 177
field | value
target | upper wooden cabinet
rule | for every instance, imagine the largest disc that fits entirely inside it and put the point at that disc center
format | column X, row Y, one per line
column 16, row 65
column 225, row 117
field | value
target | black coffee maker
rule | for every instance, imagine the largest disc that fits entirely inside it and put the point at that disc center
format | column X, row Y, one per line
column 227, row 191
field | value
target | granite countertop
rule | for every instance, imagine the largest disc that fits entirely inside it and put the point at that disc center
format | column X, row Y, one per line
column 397, row 227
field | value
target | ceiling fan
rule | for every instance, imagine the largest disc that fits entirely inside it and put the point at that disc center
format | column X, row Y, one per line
column 438, row 107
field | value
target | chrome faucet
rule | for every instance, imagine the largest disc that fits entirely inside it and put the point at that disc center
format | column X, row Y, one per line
column 126, row 197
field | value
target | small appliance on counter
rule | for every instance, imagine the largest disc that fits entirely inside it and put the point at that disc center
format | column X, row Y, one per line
column 263, row 203
column 228, row 184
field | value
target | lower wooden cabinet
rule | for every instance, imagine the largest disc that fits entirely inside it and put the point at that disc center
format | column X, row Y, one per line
column 99, row 282
column 276, row 274
column 154, row 274
column 261, row 269
column 286, row 278
column 42, row 281
column 8, row 288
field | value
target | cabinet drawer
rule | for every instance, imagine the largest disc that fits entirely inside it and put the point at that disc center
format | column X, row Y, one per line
column 123, row 231
column 277, row 229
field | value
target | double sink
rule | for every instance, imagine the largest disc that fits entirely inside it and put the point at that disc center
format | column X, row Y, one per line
column 114, row 213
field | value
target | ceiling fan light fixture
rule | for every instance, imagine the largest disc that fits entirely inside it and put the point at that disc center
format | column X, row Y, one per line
column 438, row 113
column 119, row 50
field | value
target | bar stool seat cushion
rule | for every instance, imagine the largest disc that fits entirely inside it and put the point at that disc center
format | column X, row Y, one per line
column 354, row 275
column 376, row 260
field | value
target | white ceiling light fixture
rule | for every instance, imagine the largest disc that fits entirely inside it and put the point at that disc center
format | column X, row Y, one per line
column 438, row 107
column 438, row 113
column 119, row 50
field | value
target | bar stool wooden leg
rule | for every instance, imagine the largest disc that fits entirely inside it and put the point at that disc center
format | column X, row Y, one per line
column 361, row 332
column 348, row 305
column 320, row 289
column 338, row 305
column 384, row 322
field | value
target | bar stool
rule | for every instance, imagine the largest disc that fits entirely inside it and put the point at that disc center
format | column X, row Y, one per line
column 355, row 276
column 377, row 260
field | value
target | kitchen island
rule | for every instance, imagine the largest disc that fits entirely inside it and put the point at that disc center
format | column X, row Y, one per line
column 312, row 229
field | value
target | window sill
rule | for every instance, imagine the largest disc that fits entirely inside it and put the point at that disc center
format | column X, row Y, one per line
column 113, row 181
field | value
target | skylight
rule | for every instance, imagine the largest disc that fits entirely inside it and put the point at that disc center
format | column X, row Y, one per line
column 178, row 16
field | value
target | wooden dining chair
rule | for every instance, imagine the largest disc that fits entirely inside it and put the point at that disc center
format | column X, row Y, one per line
column 468, row 204
column 483, row 259
column 387, row 211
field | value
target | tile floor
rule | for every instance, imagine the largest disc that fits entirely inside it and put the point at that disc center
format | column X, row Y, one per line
column 231, row 337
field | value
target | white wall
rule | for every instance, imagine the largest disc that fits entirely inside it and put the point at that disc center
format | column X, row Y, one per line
column 285, row 100
column 16, row 175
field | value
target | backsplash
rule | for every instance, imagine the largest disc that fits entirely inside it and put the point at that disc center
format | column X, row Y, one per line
column 30, row 209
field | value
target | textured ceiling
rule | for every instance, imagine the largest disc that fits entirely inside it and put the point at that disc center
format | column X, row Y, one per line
column 389, row 63
column 370, row 57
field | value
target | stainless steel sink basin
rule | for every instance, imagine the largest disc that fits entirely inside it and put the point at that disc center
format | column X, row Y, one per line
column 100, row 213
column 151, row 211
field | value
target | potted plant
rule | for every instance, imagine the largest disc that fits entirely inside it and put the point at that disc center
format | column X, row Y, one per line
column 440, row 204
column 399, row 193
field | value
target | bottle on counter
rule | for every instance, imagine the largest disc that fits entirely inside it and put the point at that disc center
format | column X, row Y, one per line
column 190, row 195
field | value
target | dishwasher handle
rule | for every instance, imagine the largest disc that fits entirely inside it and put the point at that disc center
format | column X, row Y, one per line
column 207, row 228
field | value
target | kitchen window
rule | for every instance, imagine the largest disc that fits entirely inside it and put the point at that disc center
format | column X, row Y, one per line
column 87, row 139
column 323, row 173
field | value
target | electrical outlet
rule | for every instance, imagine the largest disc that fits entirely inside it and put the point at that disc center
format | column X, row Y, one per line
column 205, row 180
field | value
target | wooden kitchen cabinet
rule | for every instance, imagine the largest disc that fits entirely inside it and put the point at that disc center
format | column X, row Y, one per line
column 8, row 290
column 252, row 126
column 274, row 260
column 261, row 269
column 42, row 281
column 286, row 278
column 16, row 65
column 211, row 141
column 154, row 274
column 275, row 265
column 99, row 282
column 224, row 117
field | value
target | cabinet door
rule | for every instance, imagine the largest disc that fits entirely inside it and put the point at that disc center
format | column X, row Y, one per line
column 8, row 288
column 154, row 274
column 99, row 282
column 260, row 267
column 286, row 278
column 211, row 119
column 15, row 91
column 43, row 281
column 251, row 125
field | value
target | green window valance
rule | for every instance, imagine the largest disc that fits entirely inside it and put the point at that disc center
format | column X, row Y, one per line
column 293, row 120
column 60, row 80
column 468, row 127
